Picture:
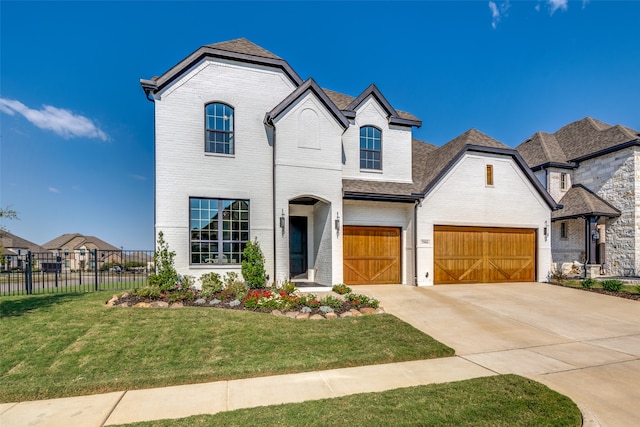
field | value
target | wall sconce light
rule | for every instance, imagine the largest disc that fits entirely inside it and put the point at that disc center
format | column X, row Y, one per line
column 546, row 230
column 282, row 221
column 337, row 222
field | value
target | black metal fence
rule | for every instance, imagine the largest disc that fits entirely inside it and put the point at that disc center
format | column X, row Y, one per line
column 73, row 271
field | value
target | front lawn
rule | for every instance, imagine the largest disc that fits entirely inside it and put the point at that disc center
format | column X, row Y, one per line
column 72, row 344
column 505, row 400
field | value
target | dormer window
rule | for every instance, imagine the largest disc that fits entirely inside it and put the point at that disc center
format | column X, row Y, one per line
column 219, row 129
column 564, row 181
column 370, row 148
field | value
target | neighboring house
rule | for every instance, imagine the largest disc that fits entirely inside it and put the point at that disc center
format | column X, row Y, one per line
column 74, row 250
column 592, row 169
column 13, row 250
column 334, row 188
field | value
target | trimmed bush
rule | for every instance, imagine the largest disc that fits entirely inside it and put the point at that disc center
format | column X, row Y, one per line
column 253, row 270
column 612, row 285
column 588, row 283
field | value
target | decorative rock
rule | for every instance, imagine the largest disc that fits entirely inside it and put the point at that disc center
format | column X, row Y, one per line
column 126, row 294
column 355, row 312
column 346, row 314
column 302, row 316
column 306, row 310
column 277, row 313
column 159, row 304
column 367, row 310
column 380, row 310
column 113, row 301
column 200, row 301
column 331, row 315
column 316, row 317
column 177, row 305
column 234, row 303
column 326, row 309
column 292, row 314
column 143, row 304
column 214, row 301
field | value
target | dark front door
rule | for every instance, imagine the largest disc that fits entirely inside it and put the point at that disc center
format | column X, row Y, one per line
column 297, row 245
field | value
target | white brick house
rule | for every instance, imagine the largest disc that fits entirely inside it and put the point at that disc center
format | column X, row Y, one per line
column 593, row 170
column 333, row 187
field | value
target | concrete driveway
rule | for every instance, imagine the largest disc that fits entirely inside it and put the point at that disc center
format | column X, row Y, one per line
column 581, row 344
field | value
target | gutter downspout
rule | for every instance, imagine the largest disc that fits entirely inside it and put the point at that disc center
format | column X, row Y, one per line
column 415, row 242
column 269, row 123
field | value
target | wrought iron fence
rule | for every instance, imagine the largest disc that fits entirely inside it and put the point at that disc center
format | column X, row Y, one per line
column 74, row 271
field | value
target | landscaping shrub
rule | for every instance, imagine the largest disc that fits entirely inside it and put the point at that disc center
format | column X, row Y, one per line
column 211, row 284
column 558, row 276
column 150, row 291
column 233, row 286
column 331, row 301
column 341, row 289
column 289, row 287
column 612, row 285
column 358, row 300
column 165, row 276
column 253, row 266
column 588, row 283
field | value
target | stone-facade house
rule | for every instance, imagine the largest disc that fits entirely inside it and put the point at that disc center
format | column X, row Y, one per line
column 333, row 187
column 593, row 170
column 73, row 250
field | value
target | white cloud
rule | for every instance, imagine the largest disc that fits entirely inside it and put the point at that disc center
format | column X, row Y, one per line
column 139, row 177
column 54, row 190
column 557, row 4
column 498, row 12
column 63, row 122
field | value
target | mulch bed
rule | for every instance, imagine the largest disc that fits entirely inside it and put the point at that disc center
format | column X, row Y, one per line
column 626, row 295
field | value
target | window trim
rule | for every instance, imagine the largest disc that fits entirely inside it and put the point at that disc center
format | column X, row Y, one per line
column 564, row 230
column 563, row 181
column 220, row 228
column 231, row 133
column 369, row 150
column 489, row 176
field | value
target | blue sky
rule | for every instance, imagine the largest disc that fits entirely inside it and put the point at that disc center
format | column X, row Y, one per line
column 76, row 131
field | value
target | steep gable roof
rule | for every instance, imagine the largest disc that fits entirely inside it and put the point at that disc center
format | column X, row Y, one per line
column 241, row 50
column 11, row 241
column 577, row 141
column 580, row 201
column 308, row 86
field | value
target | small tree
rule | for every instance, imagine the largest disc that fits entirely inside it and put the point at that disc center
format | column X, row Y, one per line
column 7, row 213
column 166, row 276
column 253, row 270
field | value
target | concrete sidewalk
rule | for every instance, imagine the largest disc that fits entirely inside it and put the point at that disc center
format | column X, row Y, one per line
column 210, row 398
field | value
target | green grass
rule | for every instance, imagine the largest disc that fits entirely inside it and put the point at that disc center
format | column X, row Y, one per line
column 632, row 289
column 71, row 344
column 506, row 400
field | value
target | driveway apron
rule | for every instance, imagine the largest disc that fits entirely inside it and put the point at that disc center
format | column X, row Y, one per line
column 581, row 344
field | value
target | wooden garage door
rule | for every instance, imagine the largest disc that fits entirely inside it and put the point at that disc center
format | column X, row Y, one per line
column 484, row 255
column 371, row 255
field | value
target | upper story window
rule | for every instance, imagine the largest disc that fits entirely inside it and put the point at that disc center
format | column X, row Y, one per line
column 370, row 148
column 564, row 181
column 219, row 129
column 564, row 233
column 489, row 173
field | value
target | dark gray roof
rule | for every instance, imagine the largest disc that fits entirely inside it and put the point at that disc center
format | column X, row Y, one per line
column 345, row 103
column 580, row 201
column 243, row 45
column 576, row 141
column 11, row 241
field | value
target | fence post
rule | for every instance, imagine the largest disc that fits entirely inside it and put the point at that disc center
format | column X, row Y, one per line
column 95, row 267
column 28, row 275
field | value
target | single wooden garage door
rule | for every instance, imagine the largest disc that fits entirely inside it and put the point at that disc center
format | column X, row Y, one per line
column 484, row 255
column 371, row 255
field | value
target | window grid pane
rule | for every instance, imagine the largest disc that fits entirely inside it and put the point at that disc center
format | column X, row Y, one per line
column 208, row 216
column 219, row 129
column 370, row 148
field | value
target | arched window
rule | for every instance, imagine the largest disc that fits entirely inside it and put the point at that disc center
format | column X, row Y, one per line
column 219, row 129
column 370, row 148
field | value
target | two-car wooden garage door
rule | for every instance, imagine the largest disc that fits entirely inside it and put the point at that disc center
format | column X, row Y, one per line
column 484, row 255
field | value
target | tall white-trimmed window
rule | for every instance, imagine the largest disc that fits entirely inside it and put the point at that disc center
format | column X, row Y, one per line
column 564, row 181
column 370, row 148
column 219, row 230
column 219, row 129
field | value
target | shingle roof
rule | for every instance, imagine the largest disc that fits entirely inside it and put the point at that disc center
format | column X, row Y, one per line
column 243, row 45
column 439, row 159
column 11, row 241
column 580, row 201
column 575, row 141
column 342, row 101
column 76, row 240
